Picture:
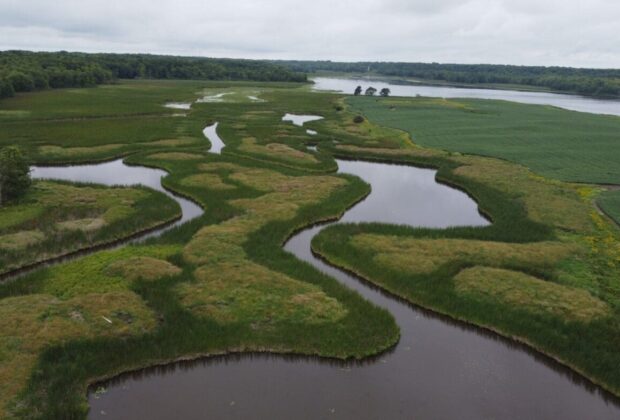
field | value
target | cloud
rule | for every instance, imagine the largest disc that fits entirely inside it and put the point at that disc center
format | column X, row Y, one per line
column 551, row 32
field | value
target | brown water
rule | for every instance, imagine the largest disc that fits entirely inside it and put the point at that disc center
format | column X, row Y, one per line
column 440, row 369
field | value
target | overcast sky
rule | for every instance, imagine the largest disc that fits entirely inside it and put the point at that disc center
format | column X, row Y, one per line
column 582, row 33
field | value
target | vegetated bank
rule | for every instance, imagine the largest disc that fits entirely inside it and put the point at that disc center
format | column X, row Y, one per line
column 57, row 218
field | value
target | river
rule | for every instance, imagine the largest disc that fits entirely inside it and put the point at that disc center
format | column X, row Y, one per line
column 566, row 101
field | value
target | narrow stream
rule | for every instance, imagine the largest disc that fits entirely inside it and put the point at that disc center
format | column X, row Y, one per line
column 440, row 369
column 210, row 132
column 116, row 172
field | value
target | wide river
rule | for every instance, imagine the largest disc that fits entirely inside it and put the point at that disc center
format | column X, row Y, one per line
column 566, row 101
column 440, row 369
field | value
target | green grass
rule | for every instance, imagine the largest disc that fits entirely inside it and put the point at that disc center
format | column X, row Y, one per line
column 565, row 145
column 57, row 218
column 271, row 194
column 360, row 330
column 122, row 99
column 609, row 202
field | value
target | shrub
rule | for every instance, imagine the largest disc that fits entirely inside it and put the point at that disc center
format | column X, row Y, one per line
column 14, row 174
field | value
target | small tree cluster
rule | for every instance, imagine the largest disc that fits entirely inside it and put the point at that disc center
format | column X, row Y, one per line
column 370, row 91
column 14, row 174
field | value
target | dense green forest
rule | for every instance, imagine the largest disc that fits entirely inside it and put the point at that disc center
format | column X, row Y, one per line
column 23, row 71
column 594, row 82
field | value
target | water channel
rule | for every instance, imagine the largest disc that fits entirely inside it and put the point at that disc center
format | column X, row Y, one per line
column 439, row 369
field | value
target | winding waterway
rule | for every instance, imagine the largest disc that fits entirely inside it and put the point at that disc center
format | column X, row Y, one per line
column 439, row 369
column 210, row 132
column 116, row 172
column 566, row 101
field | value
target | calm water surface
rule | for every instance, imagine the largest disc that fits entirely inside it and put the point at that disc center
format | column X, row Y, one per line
column 210, row 132
column 572, row 102
column 439, row 370
column 300, row 119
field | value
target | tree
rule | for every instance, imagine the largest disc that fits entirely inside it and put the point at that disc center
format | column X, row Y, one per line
column 21, row 82
column 14, row 174
column 370, row 91
column 6, row 89
column 385, row 92
column 358, row 91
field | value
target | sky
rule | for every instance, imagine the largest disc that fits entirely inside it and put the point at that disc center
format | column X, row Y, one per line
column 578, row 33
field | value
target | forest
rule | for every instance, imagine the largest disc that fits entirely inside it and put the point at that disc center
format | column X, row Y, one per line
column 591, row 82
column 24, row 71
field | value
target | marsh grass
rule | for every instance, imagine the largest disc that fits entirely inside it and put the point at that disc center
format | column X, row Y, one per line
column 314, row 315
column 347, row 327
column 57, row 218
column 519, row 289
column 424, row 256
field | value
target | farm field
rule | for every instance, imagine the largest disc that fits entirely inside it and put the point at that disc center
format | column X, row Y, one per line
column 544, row 272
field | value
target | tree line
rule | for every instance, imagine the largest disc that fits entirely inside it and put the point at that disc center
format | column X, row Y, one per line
column 24, row 71
column 593, row 82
